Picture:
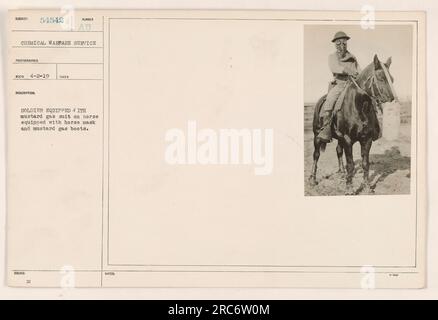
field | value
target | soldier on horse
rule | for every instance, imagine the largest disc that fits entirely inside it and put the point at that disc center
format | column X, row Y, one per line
column 348, row 112
column 342, row 64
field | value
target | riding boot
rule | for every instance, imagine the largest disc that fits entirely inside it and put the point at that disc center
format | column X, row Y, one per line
column 326, row 131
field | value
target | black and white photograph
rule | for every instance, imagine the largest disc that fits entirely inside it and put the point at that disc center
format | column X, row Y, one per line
column 358, row 88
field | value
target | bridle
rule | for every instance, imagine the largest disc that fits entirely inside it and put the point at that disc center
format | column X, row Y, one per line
column 371, row 83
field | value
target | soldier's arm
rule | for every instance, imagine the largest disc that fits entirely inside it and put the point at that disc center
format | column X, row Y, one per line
column 335, row 66
column 352, row 71
column 359, row 70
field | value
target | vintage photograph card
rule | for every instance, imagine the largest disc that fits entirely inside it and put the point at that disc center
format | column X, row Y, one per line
column 216, row 149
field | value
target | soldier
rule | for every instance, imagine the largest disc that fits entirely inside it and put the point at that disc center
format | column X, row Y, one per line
column 342, row 64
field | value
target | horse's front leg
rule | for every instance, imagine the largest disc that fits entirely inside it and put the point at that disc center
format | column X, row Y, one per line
column 340, row 153
column 348, row 148
column 365, row 153
column 316, row 154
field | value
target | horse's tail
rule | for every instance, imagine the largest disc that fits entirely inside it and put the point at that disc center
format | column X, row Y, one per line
column 316, row 112
column 317, row 120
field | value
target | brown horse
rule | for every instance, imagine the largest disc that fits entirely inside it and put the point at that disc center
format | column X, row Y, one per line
column 356, row 121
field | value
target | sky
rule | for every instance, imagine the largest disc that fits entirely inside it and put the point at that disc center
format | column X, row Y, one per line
column 386, row 41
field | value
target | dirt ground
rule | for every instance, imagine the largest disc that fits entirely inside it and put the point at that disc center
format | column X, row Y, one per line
column 390, row 167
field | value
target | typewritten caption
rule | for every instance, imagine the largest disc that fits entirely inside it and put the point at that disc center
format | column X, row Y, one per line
column 56, row 119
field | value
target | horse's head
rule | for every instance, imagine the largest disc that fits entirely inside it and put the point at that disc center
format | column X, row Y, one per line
column 381, row 81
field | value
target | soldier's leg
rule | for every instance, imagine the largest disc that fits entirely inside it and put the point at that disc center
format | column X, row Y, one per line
column 326, row 131
column 333, row 96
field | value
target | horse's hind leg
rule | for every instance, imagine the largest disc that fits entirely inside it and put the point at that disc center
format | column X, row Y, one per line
column 365, row 153
column 316, row 154
column 340, row 153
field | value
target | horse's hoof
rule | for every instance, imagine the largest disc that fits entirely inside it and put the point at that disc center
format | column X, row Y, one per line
column 349, row 191
column 312, row 181
column 366, row 189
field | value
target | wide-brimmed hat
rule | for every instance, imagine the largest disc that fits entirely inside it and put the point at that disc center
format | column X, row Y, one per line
column 340, row 35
